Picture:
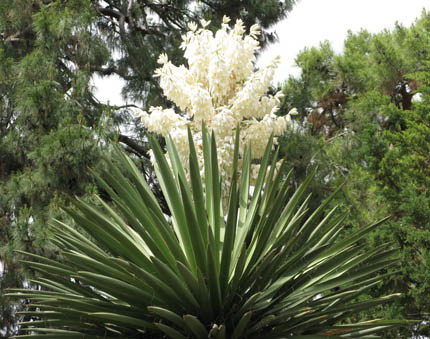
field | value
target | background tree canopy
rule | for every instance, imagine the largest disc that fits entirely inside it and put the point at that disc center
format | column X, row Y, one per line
column 52, row 127
column 363, row 116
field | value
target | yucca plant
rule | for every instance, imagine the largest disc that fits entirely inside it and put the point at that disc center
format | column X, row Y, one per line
column 258, row 266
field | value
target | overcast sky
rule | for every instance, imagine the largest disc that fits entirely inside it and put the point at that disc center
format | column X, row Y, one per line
column 310, row 22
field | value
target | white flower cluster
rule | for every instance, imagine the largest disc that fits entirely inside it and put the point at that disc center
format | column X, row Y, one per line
column 220, row 88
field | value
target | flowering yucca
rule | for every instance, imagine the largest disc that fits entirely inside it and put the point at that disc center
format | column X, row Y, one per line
column 220, row 88
column 260, row 266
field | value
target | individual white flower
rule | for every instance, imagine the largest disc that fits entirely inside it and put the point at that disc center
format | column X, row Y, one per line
column 254, row 31
column 163, row 59
column 293, row 111
column 204, row 23
column 192, row 26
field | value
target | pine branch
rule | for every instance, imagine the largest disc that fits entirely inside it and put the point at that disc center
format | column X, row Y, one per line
column 123, row 18
column 133, row 144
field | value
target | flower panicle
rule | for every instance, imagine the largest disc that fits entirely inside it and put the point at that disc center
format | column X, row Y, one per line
column 220, row 87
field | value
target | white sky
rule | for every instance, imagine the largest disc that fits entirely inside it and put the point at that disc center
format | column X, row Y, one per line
column 313, row 21
column 310, row 22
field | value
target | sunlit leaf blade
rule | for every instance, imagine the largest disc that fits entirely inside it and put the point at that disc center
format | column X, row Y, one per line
column 197, row 189
column 172, row 195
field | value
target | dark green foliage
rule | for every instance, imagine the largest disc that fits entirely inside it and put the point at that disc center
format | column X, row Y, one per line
column 367, row 110
column 52, row 128
column 47, row 128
